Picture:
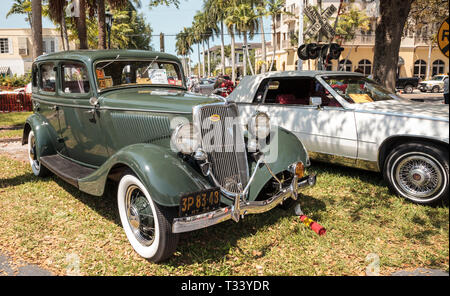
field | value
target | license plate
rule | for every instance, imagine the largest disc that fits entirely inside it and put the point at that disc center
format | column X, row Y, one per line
column 199, row 202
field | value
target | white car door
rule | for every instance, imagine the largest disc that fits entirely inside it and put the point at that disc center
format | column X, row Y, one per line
column 329, row 131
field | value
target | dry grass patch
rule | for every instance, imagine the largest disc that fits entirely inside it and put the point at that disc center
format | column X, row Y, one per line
column 50, row 223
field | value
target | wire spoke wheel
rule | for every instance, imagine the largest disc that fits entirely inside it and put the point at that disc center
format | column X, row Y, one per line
column 140, row 216
column 419, row 176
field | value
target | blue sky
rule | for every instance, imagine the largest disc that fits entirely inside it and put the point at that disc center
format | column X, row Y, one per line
column 162, row 19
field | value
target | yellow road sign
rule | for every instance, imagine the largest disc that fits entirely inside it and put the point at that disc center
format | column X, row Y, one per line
column 443, row 38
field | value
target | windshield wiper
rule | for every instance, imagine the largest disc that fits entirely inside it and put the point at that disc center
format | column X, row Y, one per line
column 151, row 64
column 117, row 57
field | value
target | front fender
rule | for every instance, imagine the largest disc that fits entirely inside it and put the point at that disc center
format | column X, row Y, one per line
column 43, row 133
column 164, row 174
column 289, row 150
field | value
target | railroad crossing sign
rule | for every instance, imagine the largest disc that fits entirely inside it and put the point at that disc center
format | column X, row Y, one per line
column 320, row 21
column 443, row 38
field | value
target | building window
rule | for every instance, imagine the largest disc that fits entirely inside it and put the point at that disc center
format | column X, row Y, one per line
column 4, row 46
column 420, row 69
column 438, row 67
column 345, row 65
column 365, row 66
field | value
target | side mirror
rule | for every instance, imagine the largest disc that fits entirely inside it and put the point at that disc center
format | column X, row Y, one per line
column 315, row 101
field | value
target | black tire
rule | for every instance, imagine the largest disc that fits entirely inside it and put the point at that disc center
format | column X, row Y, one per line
column 435, row 89
column 409, row 89
column 154, row 244
column 38, row 169
column 418, row 172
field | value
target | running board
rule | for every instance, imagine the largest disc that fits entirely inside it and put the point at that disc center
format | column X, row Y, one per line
column 67, row 170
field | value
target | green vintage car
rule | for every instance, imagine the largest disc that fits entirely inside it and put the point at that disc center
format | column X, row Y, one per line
column 179, row 161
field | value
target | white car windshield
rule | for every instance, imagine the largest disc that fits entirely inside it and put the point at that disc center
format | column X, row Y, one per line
column 118, row 73
column 359, row 90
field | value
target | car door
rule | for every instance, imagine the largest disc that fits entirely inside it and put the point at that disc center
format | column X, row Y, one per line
column 327, row 131
column 80, row 123
column 45, row 99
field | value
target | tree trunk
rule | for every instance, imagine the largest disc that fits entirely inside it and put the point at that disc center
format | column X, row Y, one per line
column 36, row 28
column 204, row 59
column 274, row 43
column 209, row 59
column 222, row 47
column 101, row 24
column 233, row 57
column 199, row 61
column 244, row 52
column 64, row 29
column 264, row 49
column 388, row 36
column 81, row 26
column 61, row 32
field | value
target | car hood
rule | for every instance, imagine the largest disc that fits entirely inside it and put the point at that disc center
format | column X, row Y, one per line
column 154, row 99
column 408, row 109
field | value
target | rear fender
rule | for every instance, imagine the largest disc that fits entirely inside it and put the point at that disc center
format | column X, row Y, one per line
column 43, row 133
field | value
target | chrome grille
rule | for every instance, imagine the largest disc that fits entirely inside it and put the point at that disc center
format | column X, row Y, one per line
column 223, row 141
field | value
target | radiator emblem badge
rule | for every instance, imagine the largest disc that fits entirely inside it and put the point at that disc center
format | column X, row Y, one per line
column 215, row 118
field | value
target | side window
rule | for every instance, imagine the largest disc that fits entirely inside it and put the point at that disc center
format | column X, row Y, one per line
column 74, row 79
column 48, row 77
column 290, row 91
column 34, row 76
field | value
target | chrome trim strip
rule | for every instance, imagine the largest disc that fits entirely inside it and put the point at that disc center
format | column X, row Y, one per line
column 110, row 108
column 400, row 115
column 187, row 224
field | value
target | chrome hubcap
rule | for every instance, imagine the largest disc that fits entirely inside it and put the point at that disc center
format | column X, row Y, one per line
column 32, row 153
column 419, row 176
column 140, row 216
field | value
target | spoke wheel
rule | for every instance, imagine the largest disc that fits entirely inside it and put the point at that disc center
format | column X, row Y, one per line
column 418, row 172
column 147, row 225
column 36, row 167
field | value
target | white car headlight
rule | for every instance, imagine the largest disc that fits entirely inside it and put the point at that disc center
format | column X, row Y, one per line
column 260, row 125
column 186, row 139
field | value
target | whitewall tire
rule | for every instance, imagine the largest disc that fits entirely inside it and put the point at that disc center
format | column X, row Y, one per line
column 146, row 225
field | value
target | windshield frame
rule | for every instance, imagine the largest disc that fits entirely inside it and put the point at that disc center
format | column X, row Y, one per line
column 125, row 86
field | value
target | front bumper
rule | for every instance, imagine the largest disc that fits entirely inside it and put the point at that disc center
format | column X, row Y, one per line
column 241, row 208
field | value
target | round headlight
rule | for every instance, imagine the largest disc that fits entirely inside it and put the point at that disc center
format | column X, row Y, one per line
column 260, row 125
column 185, row 139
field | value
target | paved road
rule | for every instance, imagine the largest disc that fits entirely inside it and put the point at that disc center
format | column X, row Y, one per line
column 426, row 97
column 8, row 267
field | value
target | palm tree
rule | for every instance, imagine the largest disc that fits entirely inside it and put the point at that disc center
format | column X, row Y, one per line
column 183, row 47
column 56, row 12
column 230, row 21
column 21, row 7
column 274, row 9
column 261, row 11
column 81, row 25
column 216, row 10
column 349, row 22
column 36, row 27
column 246, row 23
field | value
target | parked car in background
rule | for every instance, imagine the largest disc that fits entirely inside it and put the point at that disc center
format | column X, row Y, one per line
column 348, row 119
column 113, row 116
column 204, row 86
column 407, row 84
column 434, row 85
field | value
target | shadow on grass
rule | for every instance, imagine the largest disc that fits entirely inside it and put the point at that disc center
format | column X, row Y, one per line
column 19, row 180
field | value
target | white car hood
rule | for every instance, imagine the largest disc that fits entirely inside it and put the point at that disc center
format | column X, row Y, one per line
column 407, row 108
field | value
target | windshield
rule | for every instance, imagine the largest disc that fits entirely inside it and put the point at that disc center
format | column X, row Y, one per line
column 437, row 78
column 114, row 74
column 359, row 90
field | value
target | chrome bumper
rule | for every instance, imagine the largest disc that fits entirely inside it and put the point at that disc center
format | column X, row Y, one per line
column 241, row 208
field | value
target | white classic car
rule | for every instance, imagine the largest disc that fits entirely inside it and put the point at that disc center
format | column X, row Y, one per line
column 345, row 118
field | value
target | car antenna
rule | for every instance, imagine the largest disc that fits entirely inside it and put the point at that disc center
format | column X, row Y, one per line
column 117, row 57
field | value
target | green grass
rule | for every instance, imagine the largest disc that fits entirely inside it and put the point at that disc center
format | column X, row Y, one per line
column 14, row 118
column 46, row 221
column 8, row 134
